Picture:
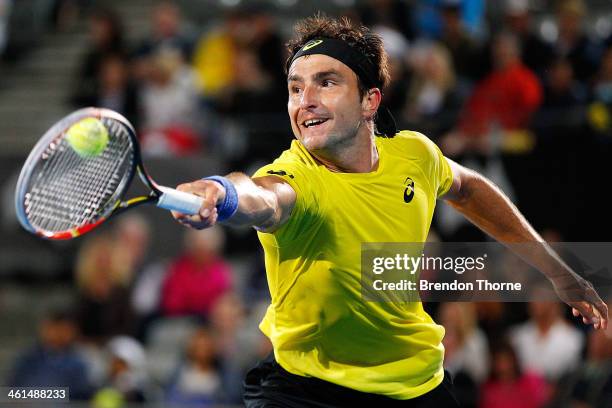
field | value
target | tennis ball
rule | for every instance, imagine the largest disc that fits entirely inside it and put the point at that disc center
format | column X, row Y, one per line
column 88, row 137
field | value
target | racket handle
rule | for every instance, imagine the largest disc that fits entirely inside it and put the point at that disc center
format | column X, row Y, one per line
column 175, row 200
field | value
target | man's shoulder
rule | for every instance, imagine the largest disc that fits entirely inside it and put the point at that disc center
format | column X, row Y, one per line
column 410, row 144
column 295, row 159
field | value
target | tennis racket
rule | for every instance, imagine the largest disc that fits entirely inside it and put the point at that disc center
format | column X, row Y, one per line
column 62, row 195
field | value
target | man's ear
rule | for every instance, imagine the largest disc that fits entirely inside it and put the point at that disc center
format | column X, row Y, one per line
column 370, row 102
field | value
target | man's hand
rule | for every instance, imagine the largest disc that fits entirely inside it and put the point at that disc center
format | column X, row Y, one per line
column 213, row 194
column 263, row 202
column 583, row 299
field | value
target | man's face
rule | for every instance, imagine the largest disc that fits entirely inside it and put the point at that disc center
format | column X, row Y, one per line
column 324, row 105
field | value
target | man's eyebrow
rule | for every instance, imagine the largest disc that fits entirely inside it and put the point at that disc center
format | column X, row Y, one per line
column 294, row 78
column 317, row 77
column 325, row 74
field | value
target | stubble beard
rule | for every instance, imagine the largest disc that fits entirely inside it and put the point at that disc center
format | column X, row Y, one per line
column 338, row 140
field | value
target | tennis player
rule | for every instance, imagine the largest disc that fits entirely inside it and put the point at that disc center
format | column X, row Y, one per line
column 351, row 177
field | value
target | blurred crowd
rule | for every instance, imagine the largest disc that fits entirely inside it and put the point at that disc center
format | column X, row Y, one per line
column 519, row 90
column 179, row 87
column 174, row 331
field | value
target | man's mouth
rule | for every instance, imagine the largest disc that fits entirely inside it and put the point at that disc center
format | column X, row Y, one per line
column 314, row 122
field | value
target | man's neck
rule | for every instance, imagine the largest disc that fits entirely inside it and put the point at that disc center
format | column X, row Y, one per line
column 360, row 156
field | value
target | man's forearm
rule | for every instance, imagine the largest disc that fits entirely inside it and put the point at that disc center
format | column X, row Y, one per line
column 487, row 207
column 256, row 206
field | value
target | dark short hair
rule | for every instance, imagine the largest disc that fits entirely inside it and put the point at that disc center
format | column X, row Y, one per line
column 360, row 38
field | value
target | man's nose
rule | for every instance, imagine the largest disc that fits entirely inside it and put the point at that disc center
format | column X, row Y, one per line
column 310, row 97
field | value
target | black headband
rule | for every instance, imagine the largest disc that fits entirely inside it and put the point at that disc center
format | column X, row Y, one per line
column 360, row 64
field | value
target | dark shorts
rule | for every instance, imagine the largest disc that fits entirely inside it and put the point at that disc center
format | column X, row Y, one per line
column 269, row 385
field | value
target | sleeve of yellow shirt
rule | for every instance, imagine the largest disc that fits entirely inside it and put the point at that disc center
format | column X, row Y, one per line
column 444, row 174
column 435, row 165
column 306, row 207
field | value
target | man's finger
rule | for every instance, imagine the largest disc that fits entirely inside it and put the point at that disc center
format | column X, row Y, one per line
column 602, row 309
column 586, row 310
column 208, row 204
column 186, row 187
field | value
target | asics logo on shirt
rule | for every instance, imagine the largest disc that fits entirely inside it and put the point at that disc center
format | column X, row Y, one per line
column 279, row 173
column 409, row 190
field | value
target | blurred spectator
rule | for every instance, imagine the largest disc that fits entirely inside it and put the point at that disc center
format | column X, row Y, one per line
column 103, row 277
column 267, row 43
column 535, row 53
column 114, row 89
column 562, row 92
column 466, row 354
column 546, row 343
column 239, row 345
column 146, row 296
column 105, row 40
column 397, row 48
column 591, row 156
column 603, row 81
column 395, row 14
column 430, row 22
column 509, row 386
column 126, row 380
column 260, row 84
column 504, row 99
column 215, row 54
column 226, row 320
column 253, row 92
column 5, row 12
column 465, row 52
column 432, row 102
column 197, row 381
column 466, row 346
column 240, row 66
column 65, row 13
column 198, row 278
column 170, row 125
column 54, row 361
column 558, row 126
column 600, row 111
column 590, row 385
column 573, row 43
column 168, row 31
column 132, row 233
column 495, row 317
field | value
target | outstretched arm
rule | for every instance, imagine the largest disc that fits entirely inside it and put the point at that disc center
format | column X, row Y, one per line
column 263, row 202
column 487, row 207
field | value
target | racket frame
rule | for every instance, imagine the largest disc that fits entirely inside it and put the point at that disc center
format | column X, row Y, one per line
column 56, row 132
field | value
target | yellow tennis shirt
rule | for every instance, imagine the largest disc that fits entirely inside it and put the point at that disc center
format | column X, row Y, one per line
column 318, row 322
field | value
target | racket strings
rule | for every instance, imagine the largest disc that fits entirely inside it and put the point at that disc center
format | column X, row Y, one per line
column 64, row 203
column 70, row 191
column 58, row 189
column 49, row 203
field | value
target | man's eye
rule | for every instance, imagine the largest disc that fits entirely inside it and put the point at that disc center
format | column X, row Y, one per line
column 295, row 90
column 326, row 83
